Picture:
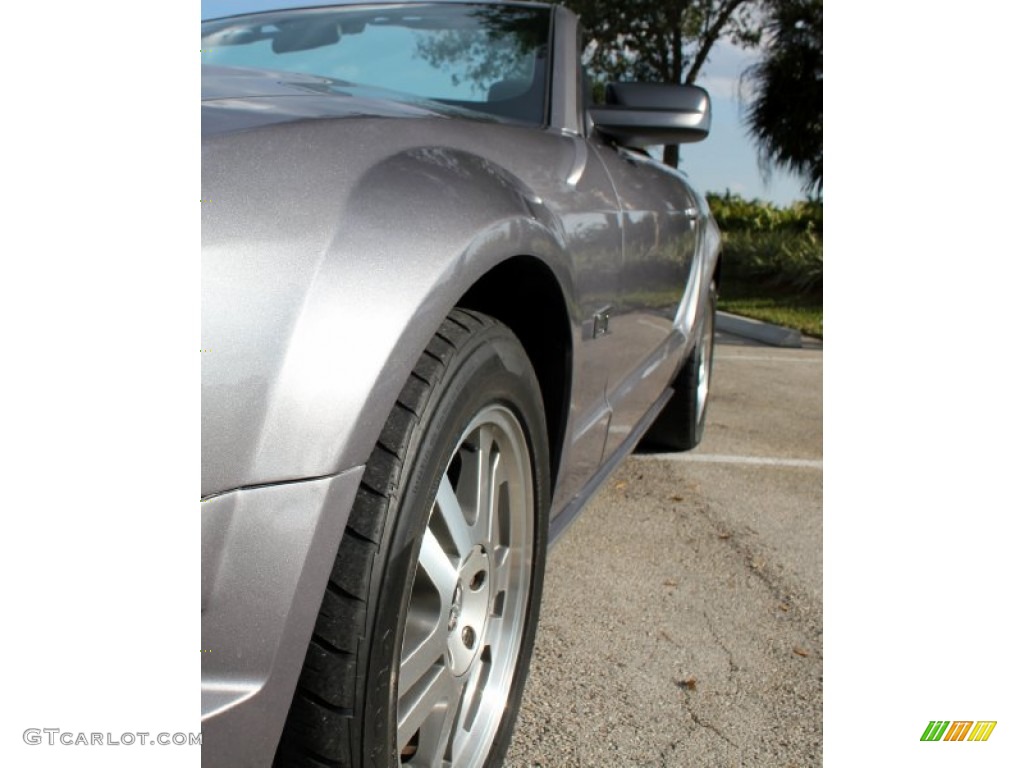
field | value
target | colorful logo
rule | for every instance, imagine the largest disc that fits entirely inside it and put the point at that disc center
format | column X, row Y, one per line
column 958, row 730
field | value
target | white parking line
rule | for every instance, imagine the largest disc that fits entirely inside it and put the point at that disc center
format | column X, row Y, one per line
column 711, row 458
column 769, row 358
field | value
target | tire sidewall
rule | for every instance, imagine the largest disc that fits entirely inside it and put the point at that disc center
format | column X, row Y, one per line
column 709, row 320
column 491, row 368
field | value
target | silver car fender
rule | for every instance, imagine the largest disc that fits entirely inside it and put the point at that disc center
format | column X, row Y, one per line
column 348, row 304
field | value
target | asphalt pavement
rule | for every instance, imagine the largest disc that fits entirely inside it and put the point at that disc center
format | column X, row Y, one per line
column 682, row 617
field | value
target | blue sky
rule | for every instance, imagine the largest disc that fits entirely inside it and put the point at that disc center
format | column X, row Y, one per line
column 727, row 158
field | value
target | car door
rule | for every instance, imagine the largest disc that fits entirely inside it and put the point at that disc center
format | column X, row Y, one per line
column 585, row 202
column 659, row 217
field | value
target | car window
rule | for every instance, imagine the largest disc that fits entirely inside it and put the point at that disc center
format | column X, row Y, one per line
column 492, row 59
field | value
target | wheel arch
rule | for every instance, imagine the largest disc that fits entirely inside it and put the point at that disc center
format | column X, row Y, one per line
column 542, row 326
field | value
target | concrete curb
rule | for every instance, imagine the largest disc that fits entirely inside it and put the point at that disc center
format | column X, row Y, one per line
column 758, row 331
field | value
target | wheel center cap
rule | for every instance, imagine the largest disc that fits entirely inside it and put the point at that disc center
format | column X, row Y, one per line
column 456, row 610
column 469, row 611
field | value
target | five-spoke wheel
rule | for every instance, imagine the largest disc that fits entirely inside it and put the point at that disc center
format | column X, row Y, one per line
column 469, row 598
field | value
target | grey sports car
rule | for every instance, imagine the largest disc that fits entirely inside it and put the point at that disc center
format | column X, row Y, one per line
column 444, row 295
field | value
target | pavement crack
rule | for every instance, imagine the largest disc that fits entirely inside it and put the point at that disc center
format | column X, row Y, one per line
column 733, row 670
column 708, row 726
column 754, row 563
column 733, row 666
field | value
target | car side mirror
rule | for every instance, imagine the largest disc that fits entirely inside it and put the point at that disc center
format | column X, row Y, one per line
column 640, row 114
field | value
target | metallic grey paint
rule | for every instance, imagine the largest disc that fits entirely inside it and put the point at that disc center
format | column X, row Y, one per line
column 267, row 554
column 338, row 234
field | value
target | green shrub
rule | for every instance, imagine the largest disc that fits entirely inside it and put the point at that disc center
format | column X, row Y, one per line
column 734, row 214
column 779, row 249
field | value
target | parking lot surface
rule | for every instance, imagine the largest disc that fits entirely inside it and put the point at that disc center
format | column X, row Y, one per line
column 682, row 615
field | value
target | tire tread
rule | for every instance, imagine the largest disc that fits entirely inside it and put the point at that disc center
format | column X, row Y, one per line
column 320, row 724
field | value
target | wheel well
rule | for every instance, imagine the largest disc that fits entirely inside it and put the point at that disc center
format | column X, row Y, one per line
column 525, row 295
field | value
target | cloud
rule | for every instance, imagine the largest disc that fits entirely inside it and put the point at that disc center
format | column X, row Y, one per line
column 723, row 87
column 722, row 71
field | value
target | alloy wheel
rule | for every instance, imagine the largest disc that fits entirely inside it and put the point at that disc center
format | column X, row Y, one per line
column 468, row 607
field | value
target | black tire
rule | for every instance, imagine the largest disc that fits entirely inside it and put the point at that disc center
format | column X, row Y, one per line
column 345, row 710
column 680, row 426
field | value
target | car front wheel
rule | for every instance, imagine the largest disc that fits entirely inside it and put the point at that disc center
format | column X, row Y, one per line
column 422, row 645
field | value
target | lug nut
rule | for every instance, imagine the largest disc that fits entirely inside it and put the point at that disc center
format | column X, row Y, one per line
column 468, row 637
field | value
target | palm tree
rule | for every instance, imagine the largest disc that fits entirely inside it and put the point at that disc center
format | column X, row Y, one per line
column 785, row 116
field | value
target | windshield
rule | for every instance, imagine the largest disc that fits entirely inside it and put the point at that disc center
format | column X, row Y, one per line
column 487, row 58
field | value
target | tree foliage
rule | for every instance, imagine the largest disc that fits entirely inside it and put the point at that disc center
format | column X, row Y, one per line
column 660, row 41
column 785, row 116
column 499, row 45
